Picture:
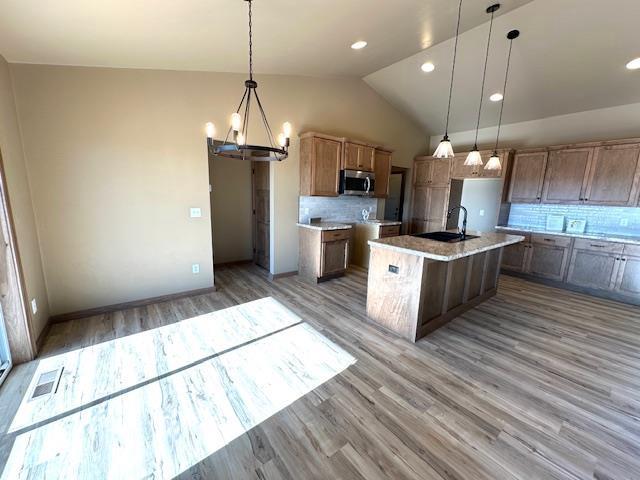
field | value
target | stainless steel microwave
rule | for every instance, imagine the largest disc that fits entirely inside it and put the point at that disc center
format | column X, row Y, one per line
column 356, row 182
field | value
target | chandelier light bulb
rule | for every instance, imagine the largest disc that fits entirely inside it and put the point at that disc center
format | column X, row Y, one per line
column 286, row 128
column 282, row 140
column 474, row 158
column 211, row 130
column 444, row 150
column 493, row 163
column 236, row 121
column 240, row 140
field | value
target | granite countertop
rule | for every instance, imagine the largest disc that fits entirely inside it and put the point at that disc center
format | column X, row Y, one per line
column 382, row 223
column 609, row 237
column 445, row 252
column 326, row 226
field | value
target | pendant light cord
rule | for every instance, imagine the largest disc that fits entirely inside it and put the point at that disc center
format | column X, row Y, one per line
column 484, row 76
column 250, row 42
column 453, row 68
column 504, row 93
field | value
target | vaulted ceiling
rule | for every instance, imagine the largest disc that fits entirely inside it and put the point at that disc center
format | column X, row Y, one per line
column 571, row 55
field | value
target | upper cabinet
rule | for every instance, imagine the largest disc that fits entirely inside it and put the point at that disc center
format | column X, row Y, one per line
column 566, row 177
column 382, row 170
column 320, row 160
column 614, row 176
column 527, row 177
column 607, row 173
column 434, row 172
column 461, row 171
column 358, row 157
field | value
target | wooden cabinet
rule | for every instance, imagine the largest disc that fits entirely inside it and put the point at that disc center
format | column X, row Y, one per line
column 363, row 232
column 382, row 170
column 548, row 256
column 628, row 281
column 514, row 257
column 566, row 176
column 358, row 157
column 320, row 160
column 429, row 171
column 594, row 264
column 461, row 171
column 429, row 208
column 324, row 254
column 527, row 177
column 614, row 176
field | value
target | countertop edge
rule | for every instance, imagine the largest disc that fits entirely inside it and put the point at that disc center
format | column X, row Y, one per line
column 604, row 237
column 328, row 226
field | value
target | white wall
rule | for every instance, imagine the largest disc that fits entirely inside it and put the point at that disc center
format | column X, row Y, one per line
column 593, row 125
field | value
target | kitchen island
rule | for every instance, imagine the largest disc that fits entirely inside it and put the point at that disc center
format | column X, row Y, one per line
column 417, row 285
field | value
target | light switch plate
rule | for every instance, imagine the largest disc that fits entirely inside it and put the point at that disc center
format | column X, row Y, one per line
column 624, row 222
column 196, row 212
column 34, row 306
column 482, row 213
column 195, row 268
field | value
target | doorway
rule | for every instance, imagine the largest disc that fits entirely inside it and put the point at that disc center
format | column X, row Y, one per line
column 393, row 206
column 261, row 214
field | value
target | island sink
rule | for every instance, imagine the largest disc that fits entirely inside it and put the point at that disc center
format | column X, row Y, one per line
column 448, row 237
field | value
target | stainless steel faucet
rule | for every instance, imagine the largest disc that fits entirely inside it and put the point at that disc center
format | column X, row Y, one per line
column 464, row 219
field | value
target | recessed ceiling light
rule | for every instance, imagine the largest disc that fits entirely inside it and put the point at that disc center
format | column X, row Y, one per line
column 359, row 45
column 634, row 64
column 496, row 97
column 428, row 67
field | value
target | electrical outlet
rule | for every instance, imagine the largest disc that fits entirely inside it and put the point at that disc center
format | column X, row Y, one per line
column 624, row 222
column 195, row 268
column 482, row 213
column 306, row 211
column 34, row 306
column 195, row 212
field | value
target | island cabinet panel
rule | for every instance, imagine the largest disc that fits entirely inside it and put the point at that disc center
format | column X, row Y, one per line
column 320, row 160
column 566, row 177
column 614, row 176
column 433, row 299
column 382, row 170
column 456, row 282
column 492, row 270
column 594, row 264
column 476, row 276
column 527, row 177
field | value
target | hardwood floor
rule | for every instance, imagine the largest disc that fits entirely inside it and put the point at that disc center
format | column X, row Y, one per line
column 534, row 383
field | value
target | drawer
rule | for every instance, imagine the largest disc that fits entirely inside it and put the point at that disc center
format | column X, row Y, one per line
column 333, row 235
column 555, row 240
column 389, row 231
column 598, row 245
column 632, row 250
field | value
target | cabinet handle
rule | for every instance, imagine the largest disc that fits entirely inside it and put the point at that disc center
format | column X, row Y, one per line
column 624, row 259
column 617, row 259
column 597, row 246
column 586, row 199
column 548, row 240
column 537, row 198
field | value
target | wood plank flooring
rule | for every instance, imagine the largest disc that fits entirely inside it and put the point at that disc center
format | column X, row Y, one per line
column 536, row 383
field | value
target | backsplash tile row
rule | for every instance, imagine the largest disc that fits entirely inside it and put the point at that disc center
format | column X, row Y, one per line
column 343, row 209
column 599, row 219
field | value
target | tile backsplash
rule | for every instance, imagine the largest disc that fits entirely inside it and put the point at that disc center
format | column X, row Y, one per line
column 344, row 208
column 613, row 220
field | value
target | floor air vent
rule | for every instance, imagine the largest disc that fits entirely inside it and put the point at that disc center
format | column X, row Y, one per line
column 47, row 383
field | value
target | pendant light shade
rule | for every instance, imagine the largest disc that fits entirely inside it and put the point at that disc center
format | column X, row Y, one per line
column 473, row 158
column 494, row 161
column 445, row 149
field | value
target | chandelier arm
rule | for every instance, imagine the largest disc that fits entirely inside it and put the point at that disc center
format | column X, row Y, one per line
column 484, row 76
column 237, row 111
column 265, row 121
column 247, row 111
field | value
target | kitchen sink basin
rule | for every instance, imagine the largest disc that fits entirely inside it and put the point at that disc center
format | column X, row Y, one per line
column 447, row 237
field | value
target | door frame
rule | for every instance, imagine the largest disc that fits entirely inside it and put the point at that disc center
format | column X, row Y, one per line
column 254, row 217
column 403, row 187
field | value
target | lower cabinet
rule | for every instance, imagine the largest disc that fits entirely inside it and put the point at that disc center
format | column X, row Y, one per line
column 544, row 256
column 324, row 254
column 595, row 264
column 514, row 257
column 628, row 281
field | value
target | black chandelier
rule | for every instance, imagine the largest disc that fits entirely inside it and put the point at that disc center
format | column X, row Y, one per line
column 236, row 143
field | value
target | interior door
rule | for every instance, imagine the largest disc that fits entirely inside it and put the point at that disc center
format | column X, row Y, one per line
column 392, row 204
column 261, row 214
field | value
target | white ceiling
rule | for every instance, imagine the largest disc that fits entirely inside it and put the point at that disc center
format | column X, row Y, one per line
column 306, row 37
column 570, row 57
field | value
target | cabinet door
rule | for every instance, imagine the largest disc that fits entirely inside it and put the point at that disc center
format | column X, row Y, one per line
column 422, row 174
column 614, row 175
column 514, row 256
column 547, row 261
column 334, row 257
column 420, row 202
column 527, row 177
column 418, row 225
column 440, row 172
column 484, row 173
column 325, row 168
column 351, row 154
column 438, row 202
column 382, row 170
column 593, row 269
column 629, row 276
column 460, row 170
column 366, row 160
column 566, row 177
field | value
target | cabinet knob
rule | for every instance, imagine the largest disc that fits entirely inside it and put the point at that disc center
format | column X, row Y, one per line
column 537, row 198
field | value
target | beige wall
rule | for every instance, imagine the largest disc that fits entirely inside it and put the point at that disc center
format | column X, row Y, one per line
column 19, row 192
column 116, row 157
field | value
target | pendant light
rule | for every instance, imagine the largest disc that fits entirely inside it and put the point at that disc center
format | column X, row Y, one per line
column 445, row 150
column 238, row 146
column 474, row 157
column 494, row 161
